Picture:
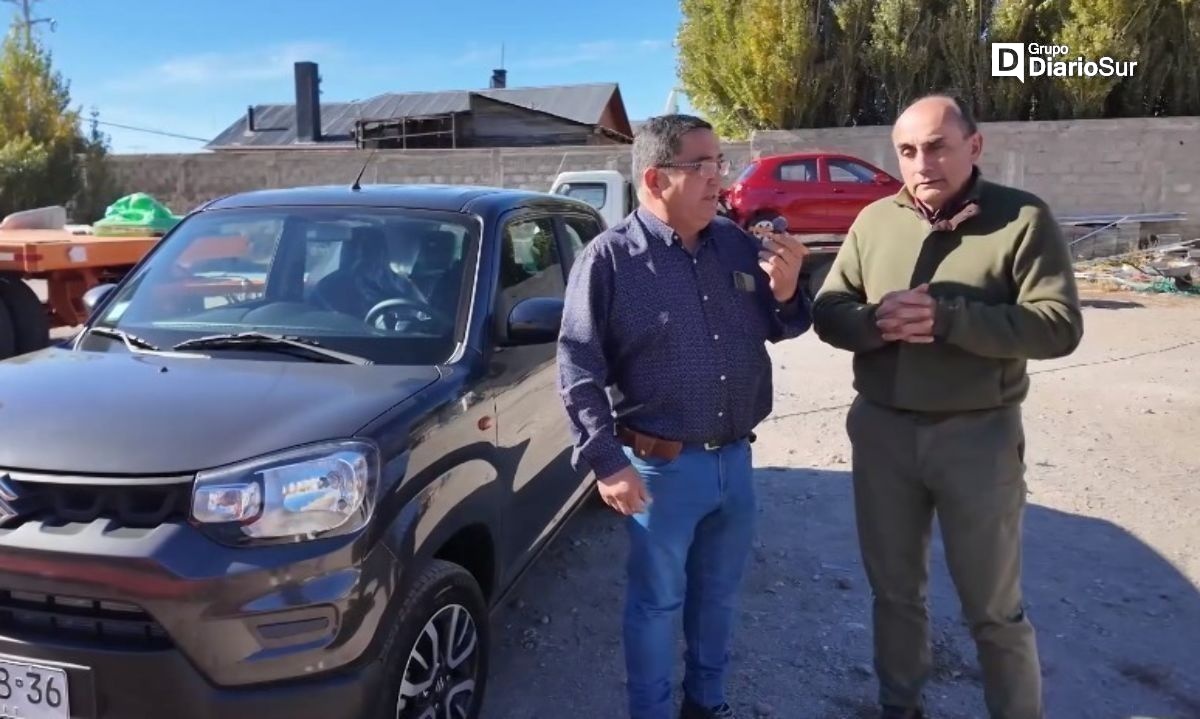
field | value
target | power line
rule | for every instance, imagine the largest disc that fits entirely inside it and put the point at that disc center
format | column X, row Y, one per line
column 151, row 131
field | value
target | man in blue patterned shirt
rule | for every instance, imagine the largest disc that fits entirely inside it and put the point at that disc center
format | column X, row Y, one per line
column 664, row 372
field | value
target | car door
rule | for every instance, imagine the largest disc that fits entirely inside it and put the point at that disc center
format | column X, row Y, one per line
column 801, row 195
column 853, row 187
column 532, row 431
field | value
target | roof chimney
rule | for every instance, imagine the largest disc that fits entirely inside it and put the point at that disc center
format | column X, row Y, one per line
column 308, row 102
column 499, row 78
column 250, row 119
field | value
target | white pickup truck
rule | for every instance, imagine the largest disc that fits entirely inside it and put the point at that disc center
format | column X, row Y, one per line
column 614, row 197
column 606, row 190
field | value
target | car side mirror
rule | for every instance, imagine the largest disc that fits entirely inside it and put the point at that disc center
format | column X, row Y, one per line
column 93, row 297
column 535, row 320
column 882, row 178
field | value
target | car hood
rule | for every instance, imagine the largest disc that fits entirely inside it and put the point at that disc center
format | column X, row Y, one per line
column 120, row 413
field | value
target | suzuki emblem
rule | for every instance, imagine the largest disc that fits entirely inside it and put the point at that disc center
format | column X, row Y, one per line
column 8, row 500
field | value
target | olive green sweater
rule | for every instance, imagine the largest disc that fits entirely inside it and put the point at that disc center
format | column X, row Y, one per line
column 1005, row 292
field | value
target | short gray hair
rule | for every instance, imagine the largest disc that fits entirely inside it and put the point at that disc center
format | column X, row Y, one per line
column 658, row 140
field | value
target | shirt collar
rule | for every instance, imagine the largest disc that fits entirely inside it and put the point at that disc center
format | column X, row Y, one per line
column 657, row 228
column 955, row 212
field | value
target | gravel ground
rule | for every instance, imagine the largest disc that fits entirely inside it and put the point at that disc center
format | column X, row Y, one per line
column 1112, row 550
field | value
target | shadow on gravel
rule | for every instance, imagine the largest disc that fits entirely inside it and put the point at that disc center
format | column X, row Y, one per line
column 1117, row 623
column 1111, row 304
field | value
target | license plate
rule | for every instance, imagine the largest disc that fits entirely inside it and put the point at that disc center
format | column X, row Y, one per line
column 31, row 691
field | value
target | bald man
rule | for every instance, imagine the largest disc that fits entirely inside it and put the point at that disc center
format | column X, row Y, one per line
column 943, row 293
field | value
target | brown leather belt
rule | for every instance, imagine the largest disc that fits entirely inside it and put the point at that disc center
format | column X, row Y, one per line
column 645, row 445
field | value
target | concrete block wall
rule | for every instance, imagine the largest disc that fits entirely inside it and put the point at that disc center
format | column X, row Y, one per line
column 1079, row 167
column 184, row 181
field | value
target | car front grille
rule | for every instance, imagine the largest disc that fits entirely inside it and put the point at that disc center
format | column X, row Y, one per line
column 29, row 615
column 59, row 501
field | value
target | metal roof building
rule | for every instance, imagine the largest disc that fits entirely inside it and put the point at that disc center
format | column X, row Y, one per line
column 497, row 116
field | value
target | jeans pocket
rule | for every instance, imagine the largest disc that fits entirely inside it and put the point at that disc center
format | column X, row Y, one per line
column 651, row 465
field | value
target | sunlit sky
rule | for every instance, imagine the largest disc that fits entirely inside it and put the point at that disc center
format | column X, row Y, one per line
column 191, row 68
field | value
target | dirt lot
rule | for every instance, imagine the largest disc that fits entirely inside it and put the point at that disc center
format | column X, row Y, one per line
column 1112, row 550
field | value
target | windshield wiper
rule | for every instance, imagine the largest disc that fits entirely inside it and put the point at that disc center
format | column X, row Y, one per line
column 132, row 342
column 262, row 340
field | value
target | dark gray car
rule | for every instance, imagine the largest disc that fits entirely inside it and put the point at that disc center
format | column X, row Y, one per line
column 292, row 461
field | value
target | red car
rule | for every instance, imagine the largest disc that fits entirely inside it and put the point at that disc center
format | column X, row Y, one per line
column 816, row 192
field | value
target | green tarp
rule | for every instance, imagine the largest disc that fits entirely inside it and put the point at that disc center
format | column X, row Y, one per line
column 136, row 214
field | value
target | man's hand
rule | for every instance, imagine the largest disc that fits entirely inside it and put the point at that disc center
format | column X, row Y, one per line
column 624, row 491
column 907, row 316
column 781, row 257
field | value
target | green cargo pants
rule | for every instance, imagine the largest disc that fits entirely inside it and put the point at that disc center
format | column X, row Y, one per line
column 969, row 468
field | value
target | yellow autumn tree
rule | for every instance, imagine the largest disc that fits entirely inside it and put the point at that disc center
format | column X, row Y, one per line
column 39, row 133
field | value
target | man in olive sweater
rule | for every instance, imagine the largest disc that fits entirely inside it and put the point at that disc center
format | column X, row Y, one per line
column 943, row 292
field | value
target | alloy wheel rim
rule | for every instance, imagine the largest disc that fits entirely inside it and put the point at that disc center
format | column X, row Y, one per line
column 440, row 674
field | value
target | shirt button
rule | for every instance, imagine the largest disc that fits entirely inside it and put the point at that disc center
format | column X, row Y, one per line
column 722, row 378
column 716, row 337
column 706, row 298
column 720, row 414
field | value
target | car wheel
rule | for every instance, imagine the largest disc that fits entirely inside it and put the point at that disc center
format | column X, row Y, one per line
column 439, row 661
column 30, row 325
column 817, row 278
column 8, row 337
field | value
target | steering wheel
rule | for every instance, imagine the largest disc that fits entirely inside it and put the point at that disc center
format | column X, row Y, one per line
column 401, row 309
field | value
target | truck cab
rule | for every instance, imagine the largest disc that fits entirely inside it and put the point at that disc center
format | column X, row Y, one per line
column 607, row 191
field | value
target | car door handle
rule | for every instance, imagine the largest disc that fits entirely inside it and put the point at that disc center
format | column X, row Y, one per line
column 838, row 190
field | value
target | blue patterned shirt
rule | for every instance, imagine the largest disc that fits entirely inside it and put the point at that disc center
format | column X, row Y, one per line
column 673, row 344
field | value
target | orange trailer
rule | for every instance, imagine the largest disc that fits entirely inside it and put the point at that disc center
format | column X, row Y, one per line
column 70, row 265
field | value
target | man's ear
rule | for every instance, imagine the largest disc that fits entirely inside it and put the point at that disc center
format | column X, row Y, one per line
column 976, row 146
column 652, row 180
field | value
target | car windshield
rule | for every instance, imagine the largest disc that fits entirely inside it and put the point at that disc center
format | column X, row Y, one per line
column 385, row 285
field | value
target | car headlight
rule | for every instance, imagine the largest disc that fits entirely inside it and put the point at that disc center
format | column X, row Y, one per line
column 299, row 494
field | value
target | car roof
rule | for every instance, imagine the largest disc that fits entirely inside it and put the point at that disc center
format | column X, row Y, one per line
column 807, row 155
column 453, row 198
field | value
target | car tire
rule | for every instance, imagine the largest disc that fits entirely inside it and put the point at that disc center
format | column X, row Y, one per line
column 817, row 278
column 27, row 315
column 8, row 337
column 444, row 597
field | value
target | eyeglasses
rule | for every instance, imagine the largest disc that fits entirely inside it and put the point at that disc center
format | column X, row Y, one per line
column 707, row 168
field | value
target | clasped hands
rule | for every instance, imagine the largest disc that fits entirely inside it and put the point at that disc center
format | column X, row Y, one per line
column 907, row 315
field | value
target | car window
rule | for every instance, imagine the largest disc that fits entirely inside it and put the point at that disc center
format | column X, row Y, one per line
column 529, row 261
column 798, row 171
column 849, row 171
column 593, row 193
column 579, row 232
column 746, row 173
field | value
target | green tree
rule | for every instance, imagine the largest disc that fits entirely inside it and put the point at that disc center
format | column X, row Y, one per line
column 39, row 133
column 754, row 64
column 98, row 187
column 769, row 64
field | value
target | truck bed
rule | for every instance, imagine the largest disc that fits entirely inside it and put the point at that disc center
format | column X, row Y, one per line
column 32, row 253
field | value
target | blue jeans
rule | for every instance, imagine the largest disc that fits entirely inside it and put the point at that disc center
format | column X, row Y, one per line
column 687, row 550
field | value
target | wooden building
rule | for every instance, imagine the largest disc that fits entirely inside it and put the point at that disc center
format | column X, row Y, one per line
column 497, row 116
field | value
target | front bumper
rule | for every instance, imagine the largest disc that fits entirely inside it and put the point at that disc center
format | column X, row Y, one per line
column 165, row 617
column 121, row 685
